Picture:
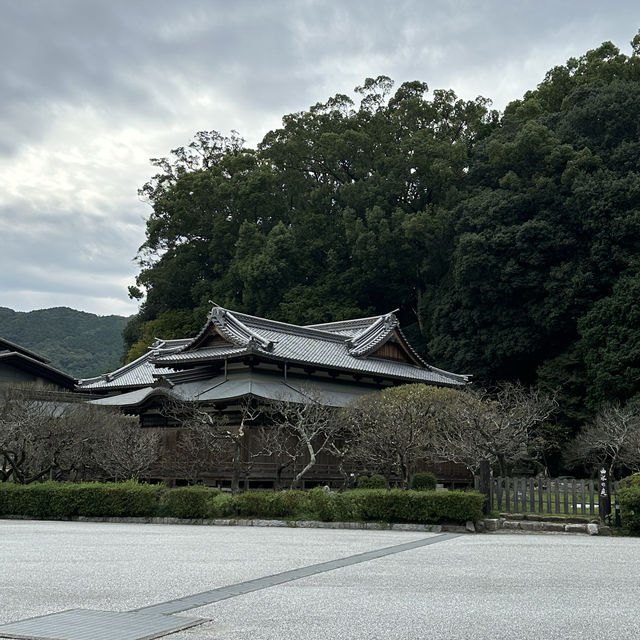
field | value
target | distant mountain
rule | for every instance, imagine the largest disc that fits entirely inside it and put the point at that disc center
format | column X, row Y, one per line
column 81, row 344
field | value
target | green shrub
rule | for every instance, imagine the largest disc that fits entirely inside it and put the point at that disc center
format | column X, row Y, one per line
column 319, row 505
column 347, row 505
column 59, row 500
column 51, row 500
column 375, row 481
column 287, row 504
column 187, row 502
column 257, row 504
column 424, row 481
column 117, row 499
column 424, row 507
column 221, row 506
column 630, row 481
column 629, row 500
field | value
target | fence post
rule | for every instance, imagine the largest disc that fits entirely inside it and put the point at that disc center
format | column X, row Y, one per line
column 485, row 486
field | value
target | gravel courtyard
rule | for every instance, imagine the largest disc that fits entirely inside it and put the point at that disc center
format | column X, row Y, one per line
column 472, row 586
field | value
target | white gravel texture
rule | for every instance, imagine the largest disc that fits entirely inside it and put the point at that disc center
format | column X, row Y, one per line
column 540, row 586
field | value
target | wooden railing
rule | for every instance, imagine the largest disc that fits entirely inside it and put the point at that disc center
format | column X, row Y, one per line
column 562, row 496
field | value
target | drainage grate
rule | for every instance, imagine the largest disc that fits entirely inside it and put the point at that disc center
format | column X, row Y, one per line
column 215, row 595
column 84, row 624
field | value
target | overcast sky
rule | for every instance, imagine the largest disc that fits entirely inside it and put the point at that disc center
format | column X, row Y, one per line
column 91, row 89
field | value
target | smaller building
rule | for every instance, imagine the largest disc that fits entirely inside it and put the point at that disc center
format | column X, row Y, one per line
column 19, row 365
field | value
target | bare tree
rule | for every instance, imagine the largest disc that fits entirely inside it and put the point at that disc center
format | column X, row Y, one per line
column 297, row 433
column 631, row 452
column 208, row 438
column 34, row 435
column 121, row 448
column 493, row 427
column 397, row 428
column 611, row 440
column 45, row 434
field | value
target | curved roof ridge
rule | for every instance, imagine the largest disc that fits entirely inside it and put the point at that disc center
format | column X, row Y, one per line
column 448, row 374
column 342, row 324
column 455, row 376
column 370, row 338
column 304, row 330
column 230, row 327
column 235, row 330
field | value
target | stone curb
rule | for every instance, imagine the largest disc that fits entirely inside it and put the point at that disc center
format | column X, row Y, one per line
column 490, row 525
column 255, row 522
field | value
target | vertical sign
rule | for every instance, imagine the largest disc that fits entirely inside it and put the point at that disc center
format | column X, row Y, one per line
column 604, row 500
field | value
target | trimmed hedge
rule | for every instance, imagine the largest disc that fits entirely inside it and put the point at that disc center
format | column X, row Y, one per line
column 188, row 502
column 423, row 507
column 629, row 500
column 59, row 501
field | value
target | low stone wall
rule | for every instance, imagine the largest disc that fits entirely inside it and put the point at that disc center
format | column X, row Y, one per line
column 514, row 522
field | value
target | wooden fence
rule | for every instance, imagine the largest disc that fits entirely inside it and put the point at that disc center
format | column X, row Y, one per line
column 544, row 495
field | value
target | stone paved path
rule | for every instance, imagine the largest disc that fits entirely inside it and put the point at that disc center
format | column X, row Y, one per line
column 155, row 621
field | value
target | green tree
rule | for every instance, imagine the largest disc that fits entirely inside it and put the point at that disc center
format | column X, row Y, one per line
column 549, row 227
column 342, row 211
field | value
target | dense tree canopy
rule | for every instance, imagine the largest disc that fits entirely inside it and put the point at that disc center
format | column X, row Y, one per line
column 510, row 242
column 547, row 229
column 342, row 211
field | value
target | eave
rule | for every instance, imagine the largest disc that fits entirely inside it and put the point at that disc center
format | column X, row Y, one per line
column 38, row 368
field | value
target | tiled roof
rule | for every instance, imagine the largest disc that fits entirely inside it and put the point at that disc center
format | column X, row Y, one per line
column 265, row 386
column 314, row 346
column 139, row 372
column 344, row 346
column 374, row 336
column 348, row 328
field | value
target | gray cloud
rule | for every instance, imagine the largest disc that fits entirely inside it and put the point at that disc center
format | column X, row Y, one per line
column 91, row 90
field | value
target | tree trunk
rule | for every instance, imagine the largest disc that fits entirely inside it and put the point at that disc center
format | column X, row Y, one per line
column 235, row 474
column 502, row 465
column 485, row 485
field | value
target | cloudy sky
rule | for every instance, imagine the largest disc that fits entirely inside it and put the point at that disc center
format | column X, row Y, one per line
column 91, row 89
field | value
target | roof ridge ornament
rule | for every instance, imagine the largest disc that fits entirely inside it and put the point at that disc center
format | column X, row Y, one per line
column 237, row 331
column 373, row 336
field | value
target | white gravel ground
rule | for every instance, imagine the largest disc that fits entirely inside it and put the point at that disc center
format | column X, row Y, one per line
column 474, row 586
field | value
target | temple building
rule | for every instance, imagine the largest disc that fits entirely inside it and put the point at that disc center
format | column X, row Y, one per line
column 238, row 356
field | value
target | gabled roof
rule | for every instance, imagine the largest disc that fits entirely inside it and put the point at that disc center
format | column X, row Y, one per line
column 350, row 346
column 230, row 327
column 347, row 346
column 348, row 328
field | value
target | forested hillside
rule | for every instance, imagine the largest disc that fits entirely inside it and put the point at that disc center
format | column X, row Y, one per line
column 510, row 242
column 81, row 344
